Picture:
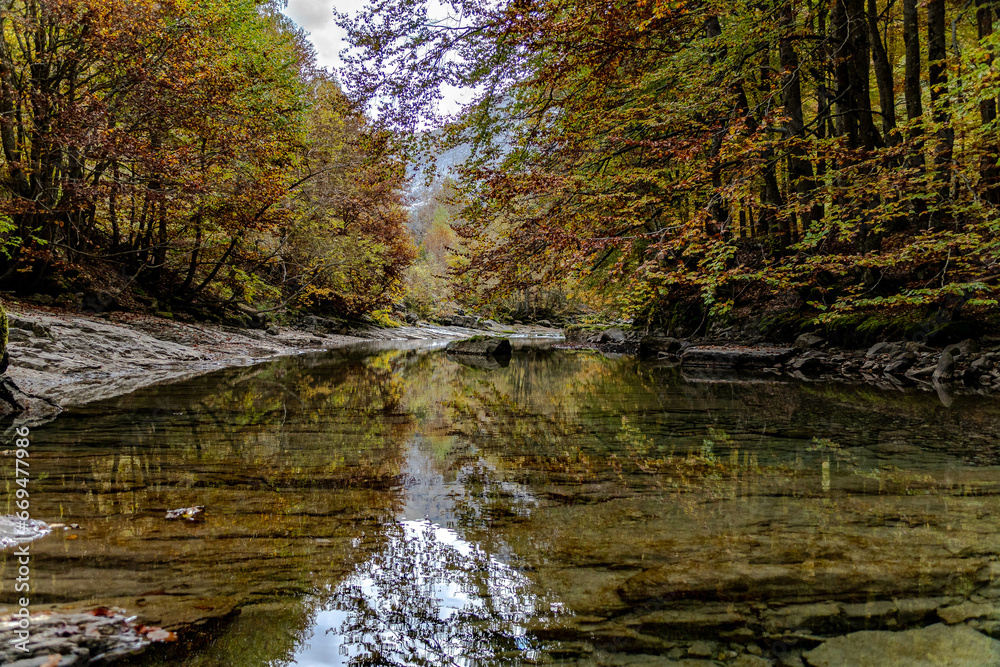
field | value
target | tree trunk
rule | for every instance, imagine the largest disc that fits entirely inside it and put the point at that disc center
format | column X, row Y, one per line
column 989, row 171
column 853, row 72
column 937, row 74
column 799, row 169
column 883, row 77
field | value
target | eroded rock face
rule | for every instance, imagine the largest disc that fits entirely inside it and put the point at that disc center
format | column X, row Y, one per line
column 938, row 645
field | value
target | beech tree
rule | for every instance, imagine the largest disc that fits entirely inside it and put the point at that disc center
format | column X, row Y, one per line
column 713, row 156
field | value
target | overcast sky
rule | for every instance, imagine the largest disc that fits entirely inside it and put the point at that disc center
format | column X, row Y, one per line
column 316, row 17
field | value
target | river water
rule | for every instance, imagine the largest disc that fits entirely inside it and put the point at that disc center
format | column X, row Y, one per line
column 391, row 505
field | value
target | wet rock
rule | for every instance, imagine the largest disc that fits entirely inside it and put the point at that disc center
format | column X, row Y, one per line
column 898, row 367
column 967, row 610
column 273, row 330
column 652, row 346
column 921, row 373
column 740, row 636
column 964, row 348
column 704, row 620
column 939, row 645
column 99, row 636
column 945, row 367
column 701, row 649
column 820, row 617
column 917, row 348
column 412, row 318
column 880, row 348
column 481, row 346
column 736, row 357
column 466, row 321
column 808, row 341
column 15, row 401
column 747, row 660
column 543, row 323
column 977, row 369
column 13, row 531
column 810, row 362
column 614, row 335
column 875, row 610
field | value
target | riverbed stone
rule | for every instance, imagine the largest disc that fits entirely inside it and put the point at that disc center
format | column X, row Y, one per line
column 879, row 348
column 967, row 610
column 818, row 617
column 938, row 645
column 701, row 649
column 747, row 660
column 808, row 341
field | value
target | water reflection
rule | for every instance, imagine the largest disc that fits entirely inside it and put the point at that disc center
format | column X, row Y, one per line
column 427, row 598
column 393, row 506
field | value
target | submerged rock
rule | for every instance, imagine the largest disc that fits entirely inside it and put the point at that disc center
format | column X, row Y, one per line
column 195, row 513
column 13, row 531
column 938, row 645
column 484, row 346
column 98, row 636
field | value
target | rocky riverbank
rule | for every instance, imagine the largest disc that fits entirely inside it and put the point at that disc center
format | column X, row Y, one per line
column 59, row 359
column 968, row 366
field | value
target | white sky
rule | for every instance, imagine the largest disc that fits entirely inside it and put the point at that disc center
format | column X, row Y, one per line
column 316, row 17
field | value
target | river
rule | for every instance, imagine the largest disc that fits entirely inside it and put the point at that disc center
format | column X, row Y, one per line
column 393, row 505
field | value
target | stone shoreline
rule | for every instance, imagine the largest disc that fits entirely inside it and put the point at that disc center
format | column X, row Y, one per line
column 63, row 359
column 965, row 367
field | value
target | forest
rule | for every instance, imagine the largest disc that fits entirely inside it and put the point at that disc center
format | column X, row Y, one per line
column 172, row 154
column 671, row 163
column 831, row 162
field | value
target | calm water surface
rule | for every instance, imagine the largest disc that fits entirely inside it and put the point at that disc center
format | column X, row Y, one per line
column 394, row 506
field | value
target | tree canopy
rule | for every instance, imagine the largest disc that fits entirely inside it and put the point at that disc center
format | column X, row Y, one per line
column 835, row 156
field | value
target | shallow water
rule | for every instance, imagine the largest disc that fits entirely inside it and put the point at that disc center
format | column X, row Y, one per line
column 394, row 506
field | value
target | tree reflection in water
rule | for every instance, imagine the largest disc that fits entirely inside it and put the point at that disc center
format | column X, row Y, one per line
column 428, row 598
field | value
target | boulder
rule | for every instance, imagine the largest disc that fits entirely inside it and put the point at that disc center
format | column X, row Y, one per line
column 945, row 367
column 614, row 335
column 881, row 348
column 735, row 357
column 808, row 341
column 652, row 346
column 939, row 645
column 810, row 362
column 899, row 366
column 483, row 346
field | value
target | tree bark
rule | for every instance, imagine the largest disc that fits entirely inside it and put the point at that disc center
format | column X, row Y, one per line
column 883, row 77
column 937, row 76
column 853, row 72
column 989, row 170
column 799, row 169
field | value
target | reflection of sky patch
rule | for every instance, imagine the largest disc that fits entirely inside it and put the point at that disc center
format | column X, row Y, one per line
column 431, row 597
